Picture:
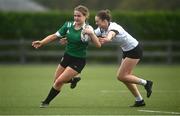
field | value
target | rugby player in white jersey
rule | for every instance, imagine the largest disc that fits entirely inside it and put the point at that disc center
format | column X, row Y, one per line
column 108, row 31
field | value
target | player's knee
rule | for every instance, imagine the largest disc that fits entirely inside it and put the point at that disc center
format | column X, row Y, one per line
column 58, row 83
column 121, row 77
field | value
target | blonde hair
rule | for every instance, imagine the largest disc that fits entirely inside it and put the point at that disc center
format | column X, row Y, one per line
column 104, row 15
column 84, row 10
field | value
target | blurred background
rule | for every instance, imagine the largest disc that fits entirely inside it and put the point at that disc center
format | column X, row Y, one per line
column 26, row 74
column 154, row 23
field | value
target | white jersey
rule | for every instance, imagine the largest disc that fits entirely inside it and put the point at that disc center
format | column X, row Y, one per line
column 126, row 41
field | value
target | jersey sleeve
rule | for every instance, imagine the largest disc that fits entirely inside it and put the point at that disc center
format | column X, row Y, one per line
column 115, row 28
column 98, row 32
column 62, row 31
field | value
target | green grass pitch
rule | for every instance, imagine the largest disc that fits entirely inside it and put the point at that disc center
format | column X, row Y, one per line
column 22, row 87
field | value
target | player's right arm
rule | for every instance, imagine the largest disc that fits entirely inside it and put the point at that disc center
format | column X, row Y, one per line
column 46, row 40
column 60, row 33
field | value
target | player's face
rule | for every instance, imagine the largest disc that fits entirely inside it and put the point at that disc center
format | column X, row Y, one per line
column 101, row 23
column 79, row 18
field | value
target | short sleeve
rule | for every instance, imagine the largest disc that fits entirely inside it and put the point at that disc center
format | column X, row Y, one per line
column 115, row 27
column 98, row 32
column 62, row 31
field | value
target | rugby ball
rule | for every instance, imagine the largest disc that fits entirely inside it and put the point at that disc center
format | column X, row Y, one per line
column 85, row 37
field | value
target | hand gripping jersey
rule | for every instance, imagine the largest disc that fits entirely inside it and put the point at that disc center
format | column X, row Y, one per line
column 75, row 46
column 126, row 41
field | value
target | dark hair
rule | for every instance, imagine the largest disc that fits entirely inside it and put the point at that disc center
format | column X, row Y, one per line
column 84, row 10
column 104, row 15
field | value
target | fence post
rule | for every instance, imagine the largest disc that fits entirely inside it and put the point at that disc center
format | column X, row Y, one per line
column 119, row 54
column 22, row 50
column 169, row 52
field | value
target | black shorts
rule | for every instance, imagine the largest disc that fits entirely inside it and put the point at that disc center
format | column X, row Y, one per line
column 74, row 62
column 136, row 53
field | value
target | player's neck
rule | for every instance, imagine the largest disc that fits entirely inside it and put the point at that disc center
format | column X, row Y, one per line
column 78, row 26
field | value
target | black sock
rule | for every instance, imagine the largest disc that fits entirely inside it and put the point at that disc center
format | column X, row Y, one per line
column 52, row 94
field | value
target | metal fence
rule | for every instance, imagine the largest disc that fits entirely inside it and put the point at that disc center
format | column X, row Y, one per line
column 21, row 51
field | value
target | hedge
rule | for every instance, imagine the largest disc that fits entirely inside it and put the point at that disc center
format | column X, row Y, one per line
column 151, row 25
column 142, row 25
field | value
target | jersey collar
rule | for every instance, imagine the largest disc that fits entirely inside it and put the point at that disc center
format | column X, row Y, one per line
column 82, row 26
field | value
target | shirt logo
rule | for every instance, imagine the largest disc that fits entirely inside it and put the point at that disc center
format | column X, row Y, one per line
column 68, row 32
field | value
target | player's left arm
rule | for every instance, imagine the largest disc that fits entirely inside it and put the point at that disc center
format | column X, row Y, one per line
column 94, row 38
column 63, row 41
column 109, row 37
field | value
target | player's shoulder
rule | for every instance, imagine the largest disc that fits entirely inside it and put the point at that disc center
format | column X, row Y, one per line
column 114, row 24
column 69, row 24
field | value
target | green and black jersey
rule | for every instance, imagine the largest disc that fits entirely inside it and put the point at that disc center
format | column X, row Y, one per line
column 75, row 47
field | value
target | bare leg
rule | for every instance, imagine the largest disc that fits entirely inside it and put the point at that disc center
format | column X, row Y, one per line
column 68, row 74
column 53, row 92
column 125, row 71
column 133, row 89
column 59, row 71
column 125, row 75
column 64, row 76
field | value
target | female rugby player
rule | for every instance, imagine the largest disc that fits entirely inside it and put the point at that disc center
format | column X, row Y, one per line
column 74, row 58
column 132, row 53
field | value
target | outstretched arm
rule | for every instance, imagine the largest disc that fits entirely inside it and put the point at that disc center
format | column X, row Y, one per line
column 108, row 38
column 39, row 43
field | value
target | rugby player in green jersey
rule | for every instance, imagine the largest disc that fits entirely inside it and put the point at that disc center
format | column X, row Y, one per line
column 74, row 58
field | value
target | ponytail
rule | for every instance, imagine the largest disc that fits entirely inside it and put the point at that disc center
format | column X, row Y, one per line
column 104, row 15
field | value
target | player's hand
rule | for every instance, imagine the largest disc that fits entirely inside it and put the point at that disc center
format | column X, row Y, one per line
column 88, row 30
column 37, row 44
column 63, row 41
column 103, row 40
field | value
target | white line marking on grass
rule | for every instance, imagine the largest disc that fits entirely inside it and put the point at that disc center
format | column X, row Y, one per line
column 126, row 91
column 163, row 112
